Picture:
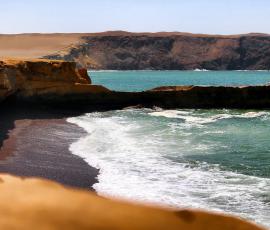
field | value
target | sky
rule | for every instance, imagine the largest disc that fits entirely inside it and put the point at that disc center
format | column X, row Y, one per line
column 195, row 16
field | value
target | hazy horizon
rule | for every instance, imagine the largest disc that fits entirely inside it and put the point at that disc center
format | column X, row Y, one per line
column 193, row 16
column 133, row 32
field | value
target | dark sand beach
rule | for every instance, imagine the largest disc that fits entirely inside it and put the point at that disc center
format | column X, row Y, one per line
column 35, row 143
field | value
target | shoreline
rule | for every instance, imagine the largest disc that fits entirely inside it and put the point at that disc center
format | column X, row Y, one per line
column 35, row 143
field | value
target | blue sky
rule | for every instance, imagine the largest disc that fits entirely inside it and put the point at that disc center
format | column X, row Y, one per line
column 196, row 16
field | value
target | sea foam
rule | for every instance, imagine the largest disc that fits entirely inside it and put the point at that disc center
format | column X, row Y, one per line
column 135, row 153
column 197, row 120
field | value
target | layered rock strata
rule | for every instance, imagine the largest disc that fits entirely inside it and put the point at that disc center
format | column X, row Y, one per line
column 29, row 78
column 158, row 51
column 169, row 51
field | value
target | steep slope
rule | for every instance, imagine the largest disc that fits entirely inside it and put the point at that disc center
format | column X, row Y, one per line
column 123, row 50
column 30, row 78
column 170, row 52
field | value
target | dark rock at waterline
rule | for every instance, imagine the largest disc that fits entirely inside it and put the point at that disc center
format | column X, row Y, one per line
column 61, row 84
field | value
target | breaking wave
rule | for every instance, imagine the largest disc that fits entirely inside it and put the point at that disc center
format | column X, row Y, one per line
column 154, row 156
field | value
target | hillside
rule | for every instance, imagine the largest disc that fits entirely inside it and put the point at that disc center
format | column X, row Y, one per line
column 122, row 50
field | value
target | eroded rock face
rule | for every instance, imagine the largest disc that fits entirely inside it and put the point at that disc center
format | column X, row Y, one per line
column 123, row 50
column 40, row 204
column 37, row 77
column 170, row 51
column 84, row 75
column 3, row 94
column 6, row 84
column 40, row 70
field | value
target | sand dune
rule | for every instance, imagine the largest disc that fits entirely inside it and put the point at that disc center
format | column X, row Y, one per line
column 35, row 45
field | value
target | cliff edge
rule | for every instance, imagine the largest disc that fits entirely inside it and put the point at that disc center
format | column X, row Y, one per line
column 87, row 98
column 121, row 50
column 169, row 51
column 62, row 84
column 29, row 78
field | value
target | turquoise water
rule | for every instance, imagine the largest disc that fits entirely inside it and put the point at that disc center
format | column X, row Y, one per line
column 213, row 159
column 144, row 80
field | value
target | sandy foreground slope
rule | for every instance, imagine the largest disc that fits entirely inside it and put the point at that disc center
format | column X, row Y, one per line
column 40, row 204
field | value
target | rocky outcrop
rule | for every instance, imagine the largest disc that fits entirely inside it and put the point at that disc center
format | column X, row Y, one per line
column 193, row 97
column 3, row 94
column 40, row 204
column 6, row 83
column 28, row 78
column 60, row 83
column 83, row 74
column 4, row 90
column 169, row 51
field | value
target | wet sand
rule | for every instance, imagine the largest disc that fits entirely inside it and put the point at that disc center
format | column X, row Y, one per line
column 35, row 143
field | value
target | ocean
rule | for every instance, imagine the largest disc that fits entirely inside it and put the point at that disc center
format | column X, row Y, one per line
column 217, row 160
column 145, row 80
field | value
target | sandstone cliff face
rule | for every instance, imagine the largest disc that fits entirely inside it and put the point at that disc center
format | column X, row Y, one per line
column 37, row 77
column 169, row 51
column 3, row 94
column 40, row 70
column 39, row 204
column 5, row 90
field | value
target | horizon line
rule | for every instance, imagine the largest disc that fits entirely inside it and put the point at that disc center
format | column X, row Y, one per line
column 115, row 32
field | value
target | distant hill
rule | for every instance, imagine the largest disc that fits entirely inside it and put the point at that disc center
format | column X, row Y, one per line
column 162, row 51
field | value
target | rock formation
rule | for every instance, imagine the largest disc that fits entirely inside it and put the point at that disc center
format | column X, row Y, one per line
column 39, row 204
column 60, row 83
column 123, row 50
column 5, row 91
column 170, row 51
column 36, row 77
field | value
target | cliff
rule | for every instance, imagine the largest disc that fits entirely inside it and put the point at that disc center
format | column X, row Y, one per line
column 40, row 204
column 158, row 51
column 28, row 78
column 62, row 84
column 170, row 51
